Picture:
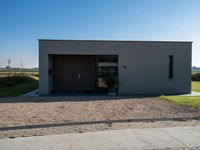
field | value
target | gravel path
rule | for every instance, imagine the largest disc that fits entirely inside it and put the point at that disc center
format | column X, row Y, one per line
column 42, row 110
column 59, row 110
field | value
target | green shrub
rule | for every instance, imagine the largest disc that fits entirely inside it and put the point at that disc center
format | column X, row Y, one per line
column 8, row 83
column 109, row 78
column 196, row 77
column 13, row 80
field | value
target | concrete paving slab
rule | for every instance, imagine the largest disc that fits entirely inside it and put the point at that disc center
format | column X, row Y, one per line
column 192, row 94
column 196, row 128
column 34, row 93
column 157, row 138
column 190, row 137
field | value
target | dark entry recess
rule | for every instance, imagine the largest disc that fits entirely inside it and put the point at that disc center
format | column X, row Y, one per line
column 74, row 73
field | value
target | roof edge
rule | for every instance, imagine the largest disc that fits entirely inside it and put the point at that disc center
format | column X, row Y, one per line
column 75, row 40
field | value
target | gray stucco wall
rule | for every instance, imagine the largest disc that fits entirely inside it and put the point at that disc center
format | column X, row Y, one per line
column 147, row 63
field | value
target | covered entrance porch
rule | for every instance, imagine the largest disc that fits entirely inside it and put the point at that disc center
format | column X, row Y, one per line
column 80, row 73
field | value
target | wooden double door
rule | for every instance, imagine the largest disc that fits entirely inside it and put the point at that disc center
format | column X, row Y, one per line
column 74, row 73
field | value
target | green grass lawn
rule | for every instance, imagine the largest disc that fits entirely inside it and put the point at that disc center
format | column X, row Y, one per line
column 20, row 88
column 196, row 86
column 193, row 101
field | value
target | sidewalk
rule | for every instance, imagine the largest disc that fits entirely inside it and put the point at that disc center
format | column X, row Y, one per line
column 156, row 138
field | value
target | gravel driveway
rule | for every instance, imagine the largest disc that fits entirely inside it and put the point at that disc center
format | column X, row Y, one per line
column 31, row 111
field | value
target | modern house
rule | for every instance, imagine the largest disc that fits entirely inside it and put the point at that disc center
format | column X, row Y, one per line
column 142, row 67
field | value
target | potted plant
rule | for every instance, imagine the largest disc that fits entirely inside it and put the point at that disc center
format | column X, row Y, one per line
column 110, row 80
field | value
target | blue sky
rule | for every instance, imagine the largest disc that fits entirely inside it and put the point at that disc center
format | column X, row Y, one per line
column 22, row 22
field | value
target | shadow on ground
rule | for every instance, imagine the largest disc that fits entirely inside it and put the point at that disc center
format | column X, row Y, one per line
column 68, row 97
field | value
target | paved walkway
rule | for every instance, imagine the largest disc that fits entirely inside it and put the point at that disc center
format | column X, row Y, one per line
column 157, row 138
column 34, row 93
column 192, row 94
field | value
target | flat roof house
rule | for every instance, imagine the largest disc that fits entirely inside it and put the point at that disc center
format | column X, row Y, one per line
column 142, row 67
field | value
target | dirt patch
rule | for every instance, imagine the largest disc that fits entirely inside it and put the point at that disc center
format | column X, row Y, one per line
column 33, row 111
column 94, row 128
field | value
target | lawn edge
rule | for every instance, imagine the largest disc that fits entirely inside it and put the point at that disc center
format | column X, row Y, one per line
column 162, row 97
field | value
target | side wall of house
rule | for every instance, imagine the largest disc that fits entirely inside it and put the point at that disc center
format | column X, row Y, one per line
column 143, row 66
column 147, row 68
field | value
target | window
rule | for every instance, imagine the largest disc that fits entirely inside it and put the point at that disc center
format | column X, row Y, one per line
column 107, row 58
column 171, row 66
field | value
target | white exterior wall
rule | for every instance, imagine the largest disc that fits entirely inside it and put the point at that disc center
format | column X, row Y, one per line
column 147, row 63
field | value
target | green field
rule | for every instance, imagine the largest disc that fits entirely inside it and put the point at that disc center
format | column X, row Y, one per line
column 17, row 83
column 193, row 72
column 14, row 73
